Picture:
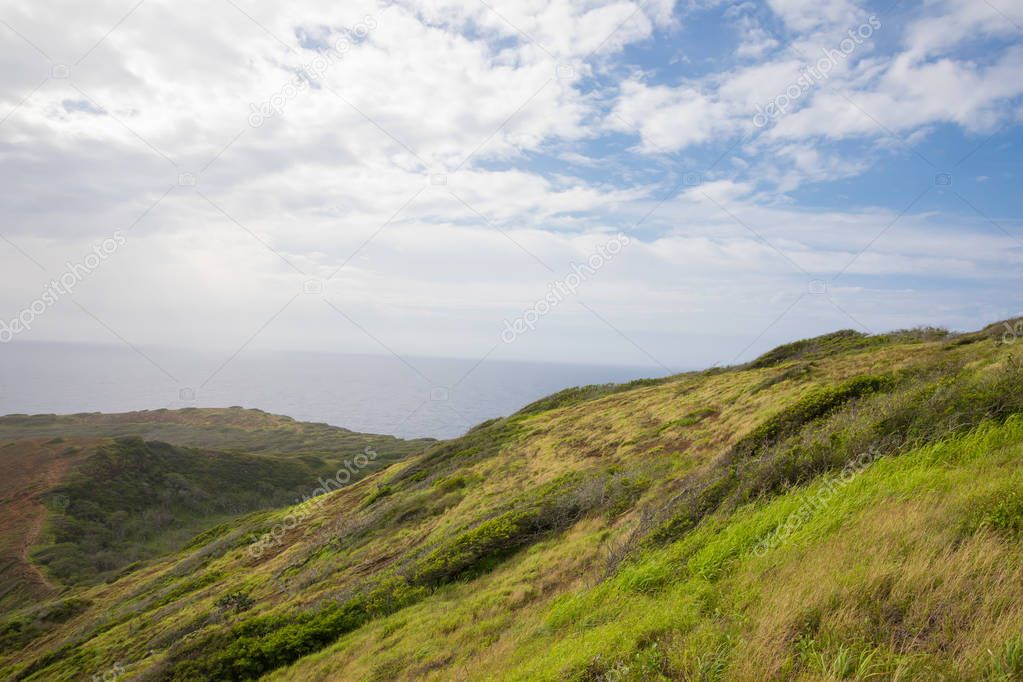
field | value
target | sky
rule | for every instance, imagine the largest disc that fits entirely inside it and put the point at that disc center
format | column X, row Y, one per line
column 670, row 184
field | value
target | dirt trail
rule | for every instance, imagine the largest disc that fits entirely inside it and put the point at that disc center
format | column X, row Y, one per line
column 50, row 475
column 31, row 468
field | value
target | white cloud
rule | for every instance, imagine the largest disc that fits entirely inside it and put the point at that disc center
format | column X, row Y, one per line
column 809, row 15
column 445, row 101
column 755, row 40
column 910, row 96
column 952, row 22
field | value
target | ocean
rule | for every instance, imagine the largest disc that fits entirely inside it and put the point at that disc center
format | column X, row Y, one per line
column 410, row 397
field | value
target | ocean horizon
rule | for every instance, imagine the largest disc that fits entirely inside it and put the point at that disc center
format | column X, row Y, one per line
column 409, row 397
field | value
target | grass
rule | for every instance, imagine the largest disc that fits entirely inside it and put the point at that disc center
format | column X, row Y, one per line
column 581, row 394
column 616, row 533
column 712, row 576
column 1007, row 662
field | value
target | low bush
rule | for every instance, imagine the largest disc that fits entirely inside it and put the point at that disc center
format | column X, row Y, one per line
column 1002, row 515
column 819, row 346
column 21, row 629
column 814, row 405
column 237, row 601
column 843, row 341
column 441, row 460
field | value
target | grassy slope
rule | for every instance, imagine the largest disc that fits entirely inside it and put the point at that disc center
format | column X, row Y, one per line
column 612, row 533
column 230, row 428
column 91, row 505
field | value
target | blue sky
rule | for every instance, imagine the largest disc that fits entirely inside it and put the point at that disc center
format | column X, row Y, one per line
column 442, row 167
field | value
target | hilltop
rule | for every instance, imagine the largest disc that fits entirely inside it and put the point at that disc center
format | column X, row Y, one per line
column 844, row 507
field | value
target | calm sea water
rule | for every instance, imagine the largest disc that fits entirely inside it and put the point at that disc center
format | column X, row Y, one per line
column 434, row 397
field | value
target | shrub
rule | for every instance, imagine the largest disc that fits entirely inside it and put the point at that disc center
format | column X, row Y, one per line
column 485, row 441
column 814, row 405
column 238, row 600
column 21, row 629
column 827, row 344
column 798, row 372
column 843, row 341
column 1003, row 516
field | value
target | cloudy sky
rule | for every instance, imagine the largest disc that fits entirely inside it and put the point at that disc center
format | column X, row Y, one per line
column 416, row 176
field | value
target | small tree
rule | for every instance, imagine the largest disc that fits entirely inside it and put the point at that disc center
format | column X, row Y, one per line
column 239, row 601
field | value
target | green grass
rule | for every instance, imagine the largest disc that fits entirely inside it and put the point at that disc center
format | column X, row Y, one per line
column 621, row 533
column 691, row 419
column 712, row 572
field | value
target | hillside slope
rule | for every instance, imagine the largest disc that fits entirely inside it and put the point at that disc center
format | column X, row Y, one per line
column 846, row 507
column 31, row 469
column 84, row 496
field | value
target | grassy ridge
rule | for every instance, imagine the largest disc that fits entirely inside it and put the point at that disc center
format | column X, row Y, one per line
column 706, row 526
column 233, row 428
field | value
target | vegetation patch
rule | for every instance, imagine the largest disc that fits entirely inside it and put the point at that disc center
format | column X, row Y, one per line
column 133, row 499
column 480, row 443
column 377, row 493
column 236, row 601
column 1002, row 515
column 264, row 643
column 582, row 394
column 830, row 427
column 843, row 341
column 691, row 419
column 814, row 405
column 16, row 631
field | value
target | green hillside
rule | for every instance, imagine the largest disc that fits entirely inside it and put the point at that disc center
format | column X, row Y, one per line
column 846, row 507
column 87, row 496
column 132, row 499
